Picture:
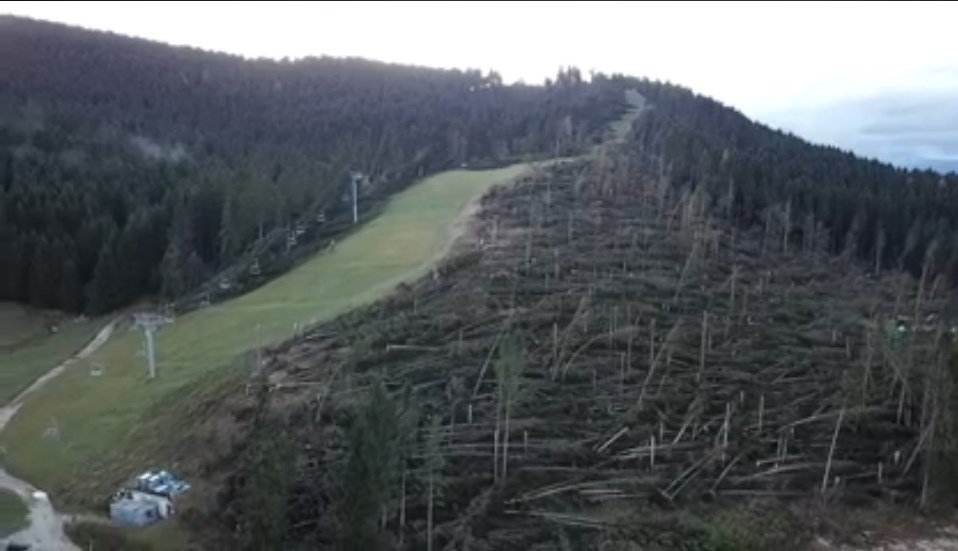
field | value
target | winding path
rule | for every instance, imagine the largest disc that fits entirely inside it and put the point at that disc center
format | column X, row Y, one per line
column 45, row 530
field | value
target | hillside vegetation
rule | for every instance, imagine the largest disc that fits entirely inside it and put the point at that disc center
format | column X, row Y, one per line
column 681, row 334
column 32, row 342
column 13, row 513
column 889, row 217
column 119, row 422
column 626, row 339
column 129, row 167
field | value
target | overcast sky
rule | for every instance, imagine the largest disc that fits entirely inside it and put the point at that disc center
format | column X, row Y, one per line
column 879, row 78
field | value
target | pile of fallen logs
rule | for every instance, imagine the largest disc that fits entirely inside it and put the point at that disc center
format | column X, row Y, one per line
column 666, row 357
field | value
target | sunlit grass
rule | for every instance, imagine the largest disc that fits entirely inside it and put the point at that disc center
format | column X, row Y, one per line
column 13, row 513
column 29, row 349
column 100, row 421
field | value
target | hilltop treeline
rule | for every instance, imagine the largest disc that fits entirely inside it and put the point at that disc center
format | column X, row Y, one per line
column 129, row 167
column 891, row 217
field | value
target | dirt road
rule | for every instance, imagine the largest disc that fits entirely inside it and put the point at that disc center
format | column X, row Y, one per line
column 46, row 525
column 946, row 539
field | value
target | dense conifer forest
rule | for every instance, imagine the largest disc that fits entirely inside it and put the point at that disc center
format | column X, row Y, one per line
column 129, row 167
column 889, row 217
column 703, row 310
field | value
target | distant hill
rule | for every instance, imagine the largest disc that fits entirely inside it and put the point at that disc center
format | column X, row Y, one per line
column 130, row 167
column 888, row 217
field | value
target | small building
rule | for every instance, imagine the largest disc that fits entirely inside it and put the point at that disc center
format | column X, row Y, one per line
column 149, row 500
column 134, row 512
column 136, row 508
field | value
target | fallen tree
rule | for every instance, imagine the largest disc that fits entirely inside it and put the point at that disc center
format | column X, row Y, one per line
column 666, row 358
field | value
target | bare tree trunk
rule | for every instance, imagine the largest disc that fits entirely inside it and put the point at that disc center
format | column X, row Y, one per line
column 831, row 450
column 615, row 323
column 938, row 386
column 730, row 199
column 549, row 182
column 901, row 290
column 879, row 248
column 808, row 234
column 505, row 447
column 761, row 411
column 622, row 374
column 652, row 342
column 744, row 315
column 495, row 452
column 913, row 334
column 868, row 363
column 731, row 298
column 926, row 424
column 402, row 510
column 495, row 445
column 429, row 514
column 555, row 341
column 901, row 403
column 705, row 322
column 921, row 290
column 654, row 361
column 731, row 243
column 768, row 229
column 528, row 249
column 787, row 226
column 725, row 428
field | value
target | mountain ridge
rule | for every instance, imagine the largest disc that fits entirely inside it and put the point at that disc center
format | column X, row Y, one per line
column 234, row 155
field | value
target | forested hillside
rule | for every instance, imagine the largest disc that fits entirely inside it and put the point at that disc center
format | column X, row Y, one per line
column 890, row 217
column 604, row 359
column 129, row 167
column 699, row 315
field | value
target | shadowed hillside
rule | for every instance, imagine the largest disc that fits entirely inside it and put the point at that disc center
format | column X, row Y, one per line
column 686, row 332
column 129, row 167
column 620, row 341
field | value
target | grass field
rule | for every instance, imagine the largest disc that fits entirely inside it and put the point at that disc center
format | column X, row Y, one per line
column 156, row 537
column 620, row 129
column 13, row 513
column 19, row 324
column 28, row 349
column 102, row 420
